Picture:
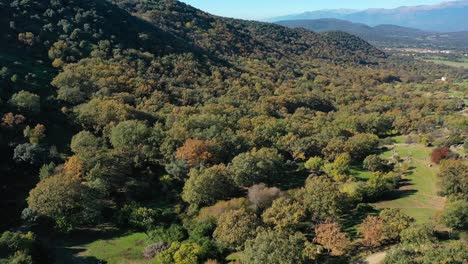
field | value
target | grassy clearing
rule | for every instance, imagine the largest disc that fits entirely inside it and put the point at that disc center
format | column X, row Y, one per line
column 124, row 249
column 417, row 195
column 458, row 64
column 101, row 245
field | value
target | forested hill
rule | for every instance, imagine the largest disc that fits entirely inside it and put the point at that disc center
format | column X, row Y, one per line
column 61, row 53
column 231, row 37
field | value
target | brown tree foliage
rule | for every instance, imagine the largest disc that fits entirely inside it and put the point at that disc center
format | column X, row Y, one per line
column 372, row 230
column 73, row 166
column 261, row 197
column 10, row 120
column 332, row 238
column 440, row 154
column 195, row 151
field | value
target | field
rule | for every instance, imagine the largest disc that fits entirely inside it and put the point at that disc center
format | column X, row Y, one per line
column 109, row 246
column 417, row 194
column 463, row 63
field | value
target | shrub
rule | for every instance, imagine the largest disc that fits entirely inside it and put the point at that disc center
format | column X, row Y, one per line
column 216, row 210
column 440, row 154
column 456, row 215
column 314, row 164
column 26, row 102
column 261, row 197
column 168, row 235
column 374, row 163
column 152, row 250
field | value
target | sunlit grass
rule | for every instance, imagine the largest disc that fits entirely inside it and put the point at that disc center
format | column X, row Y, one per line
column 418, row 197
column 119, row 250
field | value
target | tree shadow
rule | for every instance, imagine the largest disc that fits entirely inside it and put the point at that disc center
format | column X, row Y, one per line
column 397, row 194
column 404, row 183
column 68, row 248
column 356, row 217
column 72, row 255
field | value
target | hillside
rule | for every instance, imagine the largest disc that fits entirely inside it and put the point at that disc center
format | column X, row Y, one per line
column 444, row 17
column 386, row 36
column 136, row 131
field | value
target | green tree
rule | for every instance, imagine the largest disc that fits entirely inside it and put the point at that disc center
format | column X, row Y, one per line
column 284, row 214
column 322, row 198
column 339, row 168
column 35, row 134
column 453, row 175
column 66, row 200
column 401, row 255
column 256, row 166
column 274, row 247
column 99, row 113
column 374, row 163
column 418, row 235
column 361, row 145
column 181, row 253
column 381, row 183
column 395, row 221
column 26, row 102
column 207, row 185
column 235, row 227
column 86, row 143
column 33, row 154
column 455, row 214
column 314, row 164
column 131, row 134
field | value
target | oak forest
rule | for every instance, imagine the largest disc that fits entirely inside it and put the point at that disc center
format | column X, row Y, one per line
column 148, row 131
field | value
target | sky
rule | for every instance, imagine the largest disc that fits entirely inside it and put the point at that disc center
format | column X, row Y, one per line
column 261, row 9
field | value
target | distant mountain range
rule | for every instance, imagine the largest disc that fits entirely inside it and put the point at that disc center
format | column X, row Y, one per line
column 444, row 17
column 387, row 36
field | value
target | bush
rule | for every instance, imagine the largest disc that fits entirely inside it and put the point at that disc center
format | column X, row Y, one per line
column 456, row 215
column 440, row 154
column 418, row 235
column 261, row 197
column 374, row 163
column 380, row 183
column 152, row 250
column 168, row 235
column 33, row 154
column 139, row 217
column 216, row 210
column 26, row 102
column 314, row 164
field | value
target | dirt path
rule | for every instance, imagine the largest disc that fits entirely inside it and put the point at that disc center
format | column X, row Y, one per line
column 376, row 258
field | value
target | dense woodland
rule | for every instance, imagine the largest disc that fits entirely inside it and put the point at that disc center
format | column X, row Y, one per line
column 215, row 137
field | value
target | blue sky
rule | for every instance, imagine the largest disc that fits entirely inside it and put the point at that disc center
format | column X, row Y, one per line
column 258, row 9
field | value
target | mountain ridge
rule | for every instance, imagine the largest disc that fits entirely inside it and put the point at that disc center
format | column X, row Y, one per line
column 386, row 36
column 443, row 17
